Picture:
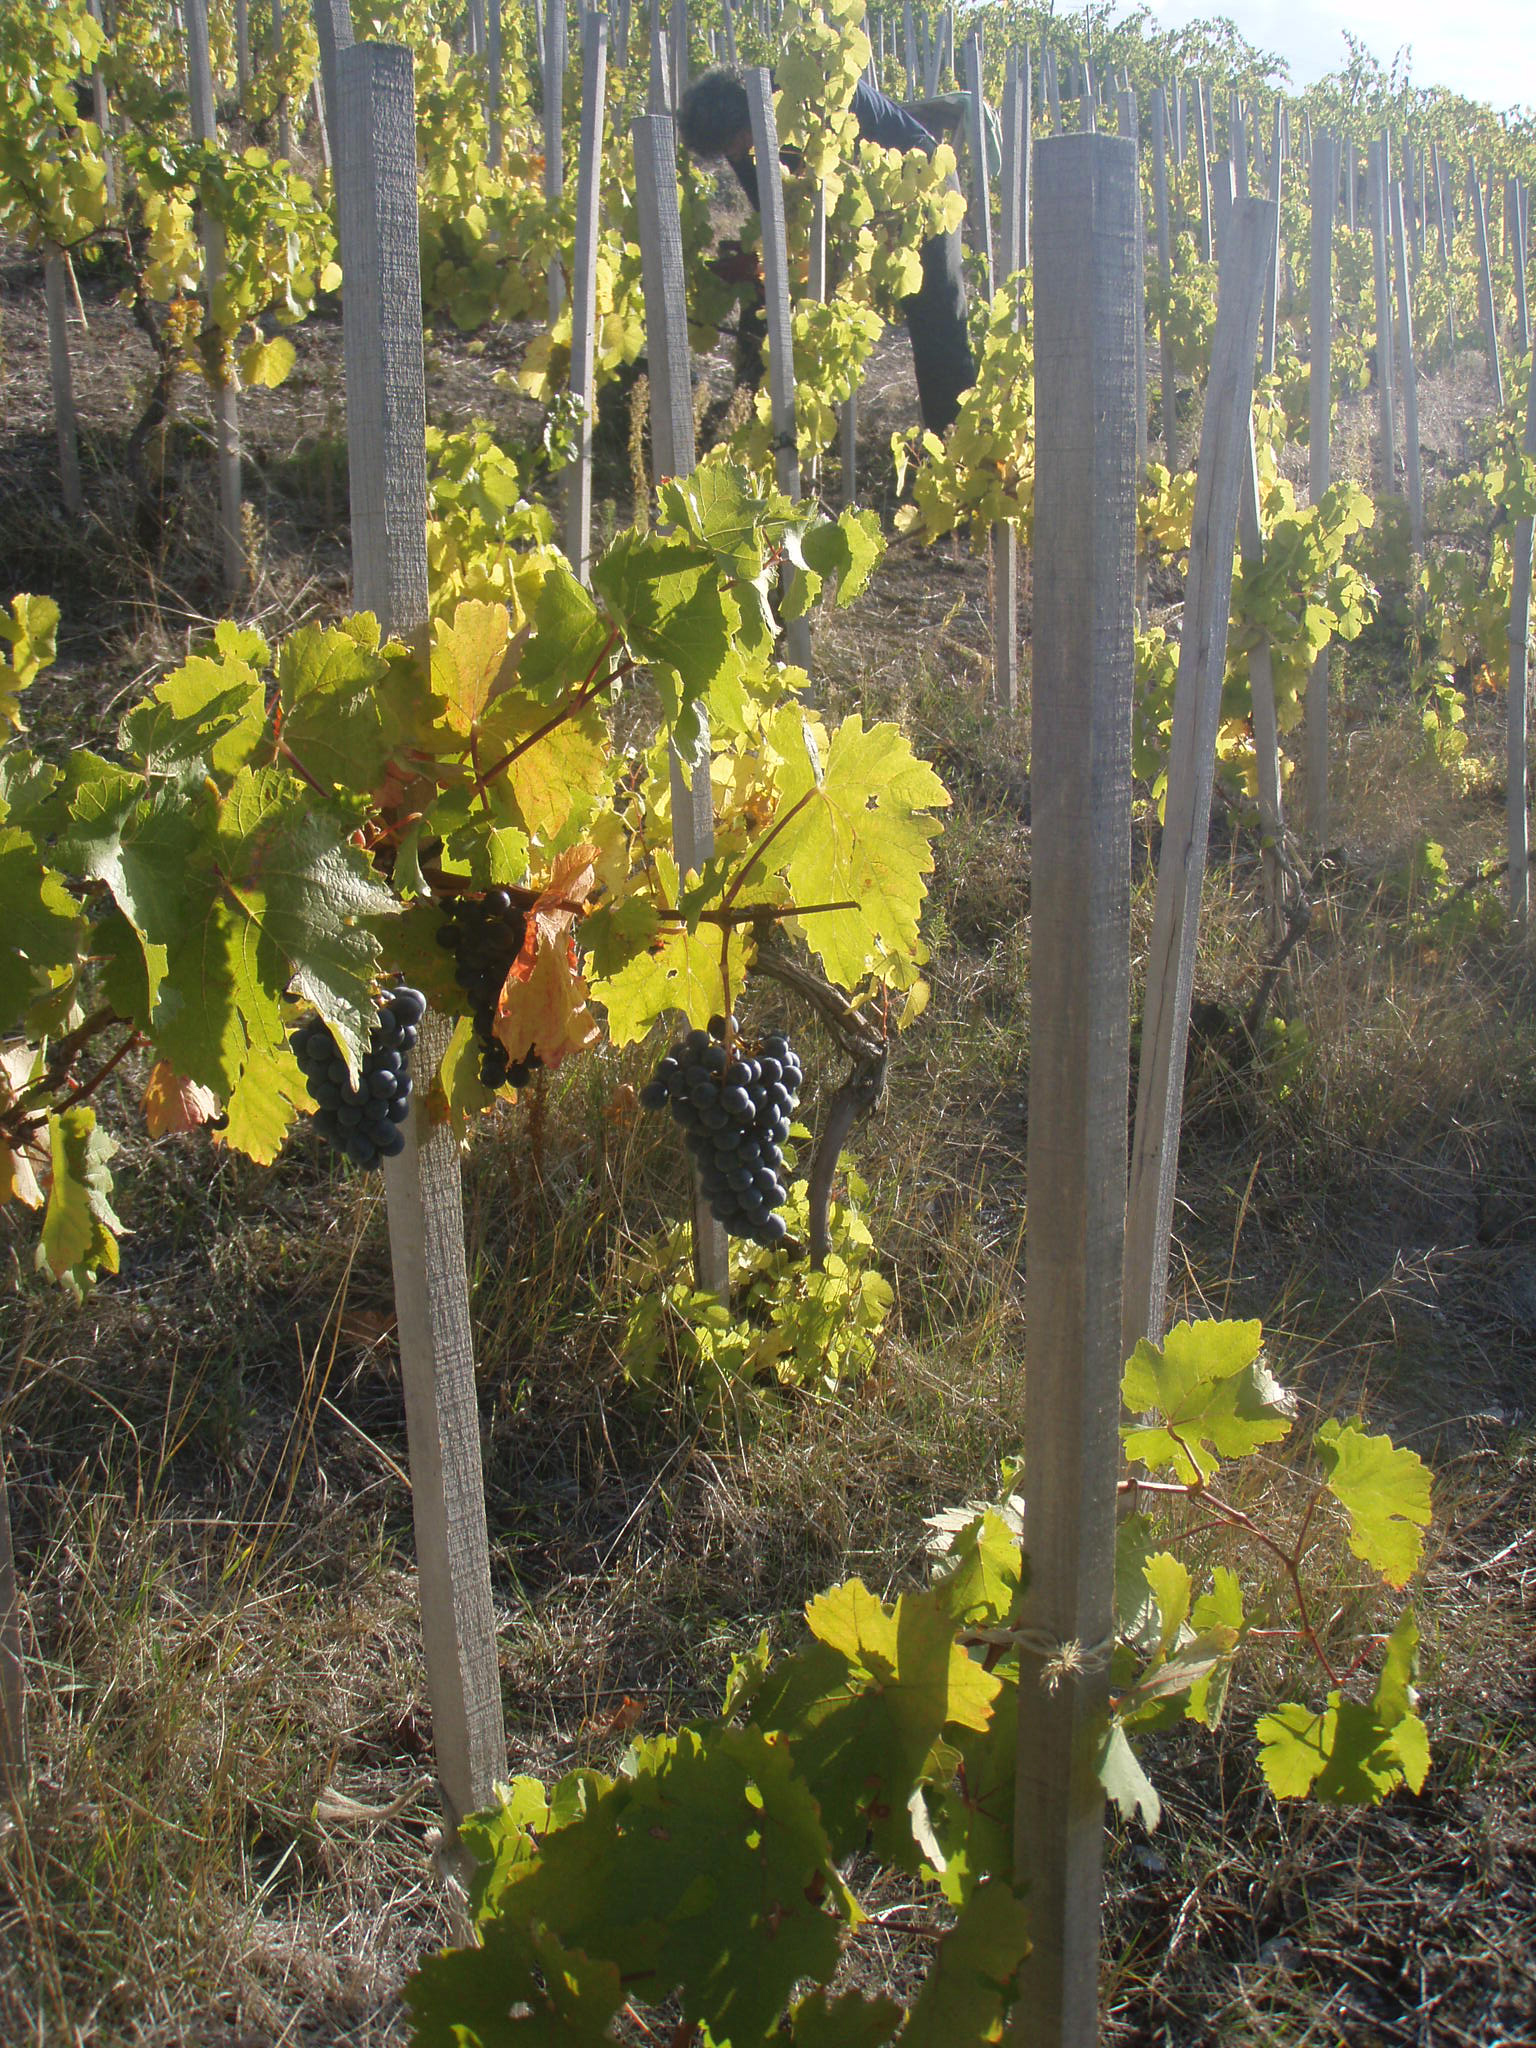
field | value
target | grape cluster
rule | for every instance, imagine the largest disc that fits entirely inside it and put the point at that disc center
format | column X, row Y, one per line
column 363, row 1117
column 735, row 1107
column 485, row 935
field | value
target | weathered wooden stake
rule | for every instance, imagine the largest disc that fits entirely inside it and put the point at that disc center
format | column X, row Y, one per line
column 1406, row 373
column 1261, row 686
column 66, row 429
column 1246, row 233
column 1005, row 539
column 1445, row 253
column 242, row 48
column 1272, row 268
column 1085, row 498
column 284, row 122
column 981, row 193
column 1386, row 426
column 333, row 32
column 1324, row 184
column 493, row 87
column 578, row 478
column 672, row 454
column 226, row 404
column 1485, row 291
column 554, row 133
column 386, row 420
column 781, row 354
column 1203, row 165
column 1164, row 268
column 1517, row 752
column 909, row 47
column 13, row 1717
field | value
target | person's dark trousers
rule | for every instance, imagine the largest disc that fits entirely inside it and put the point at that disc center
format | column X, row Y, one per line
column 941, row 348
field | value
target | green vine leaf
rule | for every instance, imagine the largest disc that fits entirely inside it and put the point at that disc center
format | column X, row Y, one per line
column 1124, row 1780
column 1385, row 1492
column 30, row 631
column 865, row 1707
column 80, row 1231
column 856, row 829
column 852, row 2021
column 330, row 689
column 1216, row 1397
column 1352, row 1754
column 974, row 1981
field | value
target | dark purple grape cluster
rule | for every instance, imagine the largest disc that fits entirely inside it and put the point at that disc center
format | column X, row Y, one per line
column 735, row 1106
column 363, row 1117
column 485, row 935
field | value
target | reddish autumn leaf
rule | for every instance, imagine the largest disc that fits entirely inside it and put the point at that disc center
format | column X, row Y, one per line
column 173, row 1103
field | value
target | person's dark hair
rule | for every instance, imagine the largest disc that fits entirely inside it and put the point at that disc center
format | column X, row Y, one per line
column 712, row 113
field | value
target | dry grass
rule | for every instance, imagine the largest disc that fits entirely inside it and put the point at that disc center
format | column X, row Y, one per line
column 228, row 1833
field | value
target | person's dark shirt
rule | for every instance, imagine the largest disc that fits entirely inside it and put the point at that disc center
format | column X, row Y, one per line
column 880, row 120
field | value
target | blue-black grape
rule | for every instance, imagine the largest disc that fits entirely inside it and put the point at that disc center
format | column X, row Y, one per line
column 363, row 1117
column 734, row 1108
column 485, row 935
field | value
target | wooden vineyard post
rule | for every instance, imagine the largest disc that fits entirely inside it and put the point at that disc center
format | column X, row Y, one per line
column 1160, row 214
column 493, row 63
column 981, row 191
column 13, row 1720
column 1026, row 177
column 1516, row 208
column 554, row 133
column 1053, row 92
column 333, row 32
column 1005, row 538
column 909, row 47
column 386, row 419
column 226, row 405
column 1261, row 686
column 730, row 33
column 672, row 454
column 1438, row 172
column 104, row 116
column 1272, row 269
column 1176, row 98
column 66, row 428
column 1386, row 429
column 1203, row 165
column 1129, row 128
column 1485, row 288
column 781, row 357
column 659, row 97
column 1406, row 373
column 284, row 125
column 1349, row 184
column 1324, row 180
column 678, row 42
column 242, row 49
column 578, row 480
column 1247, row 231
column 1237, row 142
column 1086, row 308
column 1517, row 755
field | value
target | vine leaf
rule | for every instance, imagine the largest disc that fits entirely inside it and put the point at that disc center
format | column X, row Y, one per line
column 330, row 688
column 701, row 1872
column 464, row 1998
column 667, row 595
column 1124, row 1780
column 852, row 2021
column 863, row 834
column 42, row 927
column 969, row 1813
column 1216, row 1396
column 1352, row 1754
column 173, row 1103
column 80, row 1231
column 973, row 1982
column 207, row 715
column 263, row 1104
column 866, row 1706
column 30, row 630
column 1385, row 1492
column 981, row 1576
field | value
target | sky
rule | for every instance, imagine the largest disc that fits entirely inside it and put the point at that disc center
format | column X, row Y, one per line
column 1485, row 49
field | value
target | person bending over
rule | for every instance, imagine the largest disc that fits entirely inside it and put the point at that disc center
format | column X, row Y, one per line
column 714, row 120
